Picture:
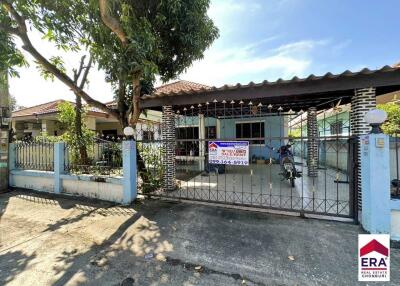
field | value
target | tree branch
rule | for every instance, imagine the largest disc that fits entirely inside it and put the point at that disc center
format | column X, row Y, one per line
column 111, row 22
column 86, row 73
column 27, row 45
column 77, row 73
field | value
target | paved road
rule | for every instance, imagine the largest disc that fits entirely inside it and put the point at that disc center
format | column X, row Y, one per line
column 56, row 241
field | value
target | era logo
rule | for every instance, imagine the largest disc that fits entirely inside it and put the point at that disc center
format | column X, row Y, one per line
column 374, row 257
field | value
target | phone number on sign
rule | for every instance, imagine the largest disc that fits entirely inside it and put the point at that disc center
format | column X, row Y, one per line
column 228, row 162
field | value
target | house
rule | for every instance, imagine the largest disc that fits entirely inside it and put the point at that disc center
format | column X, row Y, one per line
column 43, row 118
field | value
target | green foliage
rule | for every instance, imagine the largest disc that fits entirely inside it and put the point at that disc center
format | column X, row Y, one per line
column 10, row 57
column 154, row 171
column 392, row 124
column 164, row 37
column 55, row 60
column 295, row 133
column 66, row 117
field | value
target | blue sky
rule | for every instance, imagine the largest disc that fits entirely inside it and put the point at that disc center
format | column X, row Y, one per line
column 266, row 39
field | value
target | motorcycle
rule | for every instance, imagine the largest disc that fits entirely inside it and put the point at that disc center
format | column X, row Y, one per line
column 286, row 161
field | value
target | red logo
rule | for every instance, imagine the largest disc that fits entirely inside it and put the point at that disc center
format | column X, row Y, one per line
column 374, row 245
column 212, row 146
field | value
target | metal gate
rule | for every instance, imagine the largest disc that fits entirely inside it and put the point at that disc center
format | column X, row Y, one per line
column 331, row 188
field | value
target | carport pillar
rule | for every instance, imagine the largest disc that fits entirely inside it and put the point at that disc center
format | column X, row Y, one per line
column 375, row 171
column 312, row 142
column 168, row 148
column 363, row 101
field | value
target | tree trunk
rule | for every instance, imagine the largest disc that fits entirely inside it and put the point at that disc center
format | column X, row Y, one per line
column 78, row 130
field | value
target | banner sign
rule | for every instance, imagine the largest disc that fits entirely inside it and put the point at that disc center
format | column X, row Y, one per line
column 228, row 152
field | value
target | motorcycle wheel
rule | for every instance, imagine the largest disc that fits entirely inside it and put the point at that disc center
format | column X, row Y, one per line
column 292, row 182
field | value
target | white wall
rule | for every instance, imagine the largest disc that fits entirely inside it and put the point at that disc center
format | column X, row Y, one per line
column 110, row 190
column 106, row 191
column 38, row 181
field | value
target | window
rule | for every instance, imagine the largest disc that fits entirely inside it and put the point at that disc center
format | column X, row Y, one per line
column 187, row 141
column 211, row 132
column 337, row 128
column 148, row 135
column 250, row 131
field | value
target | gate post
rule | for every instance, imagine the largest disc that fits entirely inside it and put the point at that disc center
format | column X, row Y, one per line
column 168, row 148
column 312, row 142
column 129, row 170
column 363, row 101
column 375, row 184
column 59, row 160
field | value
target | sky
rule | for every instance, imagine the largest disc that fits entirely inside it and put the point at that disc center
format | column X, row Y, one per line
column 260, row 40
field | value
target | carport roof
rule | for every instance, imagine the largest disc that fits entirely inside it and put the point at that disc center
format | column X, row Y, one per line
column 294, row 93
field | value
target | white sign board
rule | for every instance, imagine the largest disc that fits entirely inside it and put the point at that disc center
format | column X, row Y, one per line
column 228, row 152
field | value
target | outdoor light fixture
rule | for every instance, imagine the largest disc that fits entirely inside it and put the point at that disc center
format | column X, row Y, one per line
column 375, row 118
column 128, row 131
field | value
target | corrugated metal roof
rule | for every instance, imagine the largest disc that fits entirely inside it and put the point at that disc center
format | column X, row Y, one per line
column 311, row 77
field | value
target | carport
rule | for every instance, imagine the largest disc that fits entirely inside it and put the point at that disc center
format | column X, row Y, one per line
column 261, row 113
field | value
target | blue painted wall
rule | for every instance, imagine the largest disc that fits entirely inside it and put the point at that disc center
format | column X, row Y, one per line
column 273, row 127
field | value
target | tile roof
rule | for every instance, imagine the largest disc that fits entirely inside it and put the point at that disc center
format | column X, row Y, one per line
column 173, row 87
column 180, row 86
column 46, row 108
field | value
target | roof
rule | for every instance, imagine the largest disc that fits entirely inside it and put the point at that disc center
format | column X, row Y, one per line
column 180, row 86
column 311, row 88
column 47, row 108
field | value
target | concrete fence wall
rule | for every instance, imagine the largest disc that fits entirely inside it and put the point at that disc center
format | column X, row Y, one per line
column 115, row 189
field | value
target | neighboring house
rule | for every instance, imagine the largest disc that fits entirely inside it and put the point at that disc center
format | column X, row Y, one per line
column 43, row 118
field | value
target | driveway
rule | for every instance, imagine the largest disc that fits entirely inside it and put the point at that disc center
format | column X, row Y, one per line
column 47, row 240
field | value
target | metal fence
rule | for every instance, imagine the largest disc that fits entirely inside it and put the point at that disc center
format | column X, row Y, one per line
column 99, row 156
column 149, row 157
column 34, row 154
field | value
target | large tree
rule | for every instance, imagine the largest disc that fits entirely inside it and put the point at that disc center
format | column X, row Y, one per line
column 133, row 41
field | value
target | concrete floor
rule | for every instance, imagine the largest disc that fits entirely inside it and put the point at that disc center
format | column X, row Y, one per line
column 261, row 185
column 47, row 240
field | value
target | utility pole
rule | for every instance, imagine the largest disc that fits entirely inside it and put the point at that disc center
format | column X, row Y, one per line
column 5, row 115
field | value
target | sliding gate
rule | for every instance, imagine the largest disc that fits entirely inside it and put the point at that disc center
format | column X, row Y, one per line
column 327, row 184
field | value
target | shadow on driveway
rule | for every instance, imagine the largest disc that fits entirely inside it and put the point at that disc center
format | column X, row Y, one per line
column 50, row 240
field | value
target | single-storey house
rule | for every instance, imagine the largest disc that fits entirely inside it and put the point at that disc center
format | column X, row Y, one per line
column 43, row 118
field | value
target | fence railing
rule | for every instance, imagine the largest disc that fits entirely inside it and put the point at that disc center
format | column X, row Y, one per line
column 34, row 154
column 97, row 157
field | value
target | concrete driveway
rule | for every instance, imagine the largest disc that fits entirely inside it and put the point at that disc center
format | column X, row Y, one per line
column 63, row 241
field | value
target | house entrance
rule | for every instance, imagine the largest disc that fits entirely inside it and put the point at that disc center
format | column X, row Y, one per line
column 320, row 147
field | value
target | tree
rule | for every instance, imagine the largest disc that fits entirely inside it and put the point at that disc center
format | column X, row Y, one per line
column 133, row 41
column 81, row 81
column 78, row 141
column 392, row 124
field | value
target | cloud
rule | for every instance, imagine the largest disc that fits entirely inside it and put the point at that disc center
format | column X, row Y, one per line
column 244, row 64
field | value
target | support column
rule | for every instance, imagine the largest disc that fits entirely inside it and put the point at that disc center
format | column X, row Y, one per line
column 312, row 142
column 168, row 150
column 363, row 101
column 129, row 171
column 59, row 159
column 375, row 171
column 202, row 144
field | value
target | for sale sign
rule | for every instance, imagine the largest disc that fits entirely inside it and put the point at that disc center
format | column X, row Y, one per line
column 228, row 152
